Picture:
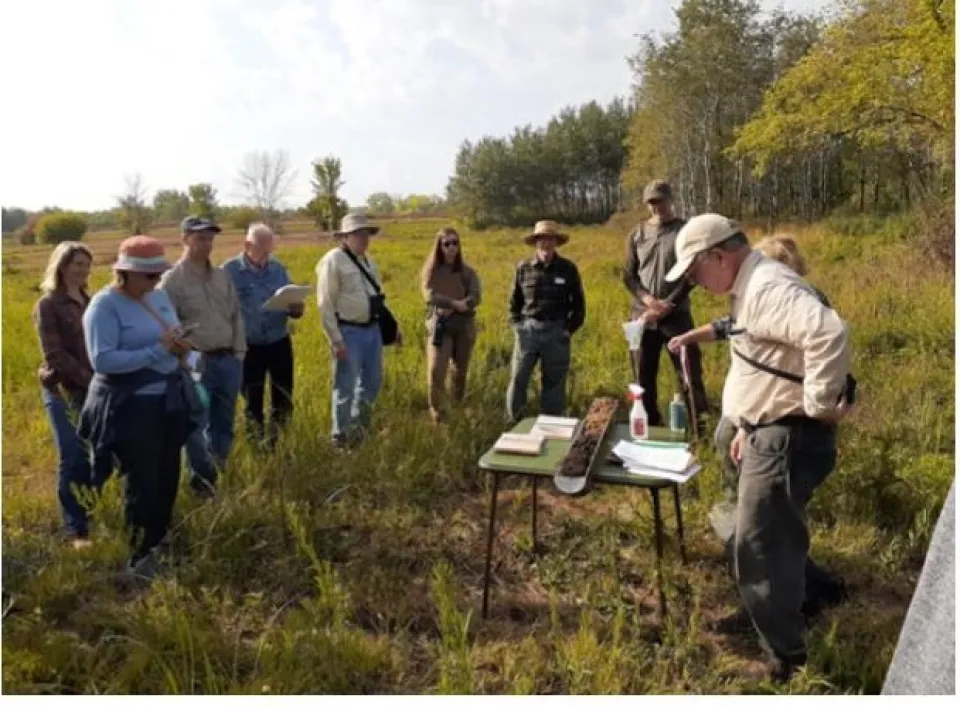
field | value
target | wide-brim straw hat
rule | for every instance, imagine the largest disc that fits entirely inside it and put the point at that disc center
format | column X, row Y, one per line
column 141, row 253
column 546, row 228
column 353, row 222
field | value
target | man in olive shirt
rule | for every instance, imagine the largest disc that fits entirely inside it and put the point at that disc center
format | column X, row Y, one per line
column 348, row 305
column 546, row 308
column 208, row 306
column 786, row 391
column 664, row 306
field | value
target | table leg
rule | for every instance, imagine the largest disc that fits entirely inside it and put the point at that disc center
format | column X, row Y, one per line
column 658, row 541
column 679, row 513
column 536, row 483
column 494, row 493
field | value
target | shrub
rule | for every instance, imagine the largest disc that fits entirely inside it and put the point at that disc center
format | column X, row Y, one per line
column 242, row 216
column 55, row 228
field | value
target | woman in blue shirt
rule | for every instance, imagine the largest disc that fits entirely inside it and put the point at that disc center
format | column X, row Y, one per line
column 137, row 406
column 256, row 277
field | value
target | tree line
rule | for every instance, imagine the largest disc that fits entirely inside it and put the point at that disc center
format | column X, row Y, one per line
column 757, row 115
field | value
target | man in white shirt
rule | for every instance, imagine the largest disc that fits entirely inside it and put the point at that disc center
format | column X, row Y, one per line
column 786, row 391
column 349, row 311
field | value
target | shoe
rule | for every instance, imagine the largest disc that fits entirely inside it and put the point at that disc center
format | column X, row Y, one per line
column 144, row 568
column 775, row 669
column 202, row 488
column 827, row 595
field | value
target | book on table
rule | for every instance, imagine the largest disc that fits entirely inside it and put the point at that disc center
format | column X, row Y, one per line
column 550, row 427
column 530, row 444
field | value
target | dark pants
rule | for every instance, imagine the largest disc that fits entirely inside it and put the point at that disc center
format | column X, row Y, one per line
column 147, row 444
column 646, row 363
column 76, row 479
column 781, row 466
column 548, row 343
column 275, row 360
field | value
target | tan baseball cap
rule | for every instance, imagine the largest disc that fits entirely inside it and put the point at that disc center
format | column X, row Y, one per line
column 658, row 189
column 698, row 235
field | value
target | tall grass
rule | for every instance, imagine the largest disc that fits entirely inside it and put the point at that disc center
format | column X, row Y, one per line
column 319, row 572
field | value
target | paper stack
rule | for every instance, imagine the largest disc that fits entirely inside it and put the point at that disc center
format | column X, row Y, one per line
column 562, row 428
column 530, row 444
column 667, row 462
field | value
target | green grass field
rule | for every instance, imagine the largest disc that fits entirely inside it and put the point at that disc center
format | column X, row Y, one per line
column 317, row 572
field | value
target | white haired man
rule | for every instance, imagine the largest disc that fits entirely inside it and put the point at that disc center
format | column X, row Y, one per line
column 257, row 276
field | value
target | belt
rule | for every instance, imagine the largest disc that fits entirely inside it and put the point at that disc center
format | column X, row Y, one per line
column 791, row 420
column 357, row 324
column 218, row 352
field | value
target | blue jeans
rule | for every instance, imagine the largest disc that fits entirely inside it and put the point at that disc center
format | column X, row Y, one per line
column 356, row 380
column 75, row 476
column 208, row 446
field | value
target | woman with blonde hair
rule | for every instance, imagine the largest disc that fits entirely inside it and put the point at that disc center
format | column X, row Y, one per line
column 65, row 375
column 451, row 289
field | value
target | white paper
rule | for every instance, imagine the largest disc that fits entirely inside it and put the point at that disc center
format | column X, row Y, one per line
column 193, row 360
column 285, row 296
column 662, row 458
column 547, row 420
column 681, row 477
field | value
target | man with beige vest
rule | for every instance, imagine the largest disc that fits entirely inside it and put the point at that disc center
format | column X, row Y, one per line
column 786, row 391
column 209, row 309
column 350, row 307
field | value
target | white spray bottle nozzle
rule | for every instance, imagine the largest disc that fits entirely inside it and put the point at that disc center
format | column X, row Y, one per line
column 636, row 391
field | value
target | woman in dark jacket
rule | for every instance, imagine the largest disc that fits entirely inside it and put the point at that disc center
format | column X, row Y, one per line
column 139, row 406
column 452, row 291
column 64, row 377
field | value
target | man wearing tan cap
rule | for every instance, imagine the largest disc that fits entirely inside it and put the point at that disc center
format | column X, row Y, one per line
column 664, row 306
column 350, row 301
column 786, row 390
column 546, row 308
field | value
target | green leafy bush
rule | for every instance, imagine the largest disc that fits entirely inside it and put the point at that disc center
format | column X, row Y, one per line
column 55, row 228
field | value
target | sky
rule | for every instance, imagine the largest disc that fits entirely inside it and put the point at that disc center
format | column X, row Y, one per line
column 181, row 90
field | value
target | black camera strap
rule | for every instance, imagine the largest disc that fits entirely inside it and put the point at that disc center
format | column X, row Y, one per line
column 363, row 269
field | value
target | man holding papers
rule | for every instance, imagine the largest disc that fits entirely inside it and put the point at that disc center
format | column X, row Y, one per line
column 786, row 393
column 257, row 277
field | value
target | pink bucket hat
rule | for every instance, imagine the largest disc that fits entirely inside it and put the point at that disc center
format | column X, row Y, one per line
column 141, row 253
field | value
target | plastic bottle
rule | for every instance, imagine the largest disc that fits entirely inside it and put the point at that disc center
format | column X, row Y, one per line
column 678, row 414
column 639, row 426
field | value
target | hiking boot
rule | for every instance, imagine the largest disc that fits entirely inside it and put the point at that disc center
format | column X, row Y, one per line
column 202, row 488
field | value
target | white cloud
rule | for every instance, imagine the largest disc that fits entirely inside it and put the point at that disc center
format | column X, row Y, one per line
column 180, row 89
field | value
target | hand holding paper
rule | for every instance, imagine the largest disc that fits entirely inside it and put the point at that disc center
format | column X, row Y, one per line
column 285, row 296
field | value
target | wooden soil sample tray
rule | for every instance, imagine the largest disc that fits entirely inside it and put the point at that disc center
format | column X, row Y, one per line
column 574, row 472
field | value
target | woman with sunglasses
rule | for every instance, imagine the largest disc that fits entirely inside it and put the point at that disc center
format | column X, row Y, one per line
column 64, row 377
column 138, row 406
column 452, row 291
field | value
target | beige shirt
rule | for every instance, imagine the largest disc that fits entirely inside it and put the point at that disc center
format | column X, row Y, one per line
column 205, row 297
column 343, row 292
column 786, row 327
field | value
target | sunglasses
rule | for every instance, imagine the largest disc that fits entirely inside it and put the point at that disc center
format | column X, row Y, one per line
column 450, row 243
column 151, row 276
column 655, row 202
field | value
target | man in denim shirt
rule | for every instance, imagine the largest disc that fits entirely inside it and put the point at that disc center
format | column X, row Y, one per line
column 257, row 276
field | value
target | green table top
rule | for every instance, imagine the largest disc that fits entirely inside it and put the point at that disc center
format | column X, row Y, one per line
column 555, row 450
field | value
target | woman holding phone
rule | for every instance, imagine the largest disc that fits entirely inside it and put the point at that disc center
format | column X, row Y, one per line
column 138, row 406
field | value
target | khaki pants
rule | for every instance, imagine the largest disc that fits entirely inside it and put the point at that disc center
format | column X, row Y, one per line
column 456, row 346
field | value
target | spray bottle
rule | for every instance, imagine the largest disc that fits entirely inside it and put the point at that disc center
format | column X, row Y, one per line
column 639, row 427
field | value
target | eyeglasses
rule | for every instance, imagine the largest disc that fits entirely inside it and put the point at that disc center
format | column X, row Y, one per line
column 654, row 202
column 151, row 276
column 450, row 243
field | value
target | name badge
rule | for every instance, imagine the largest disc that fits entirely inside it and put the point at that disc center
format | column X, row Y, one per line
column 559, row 280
